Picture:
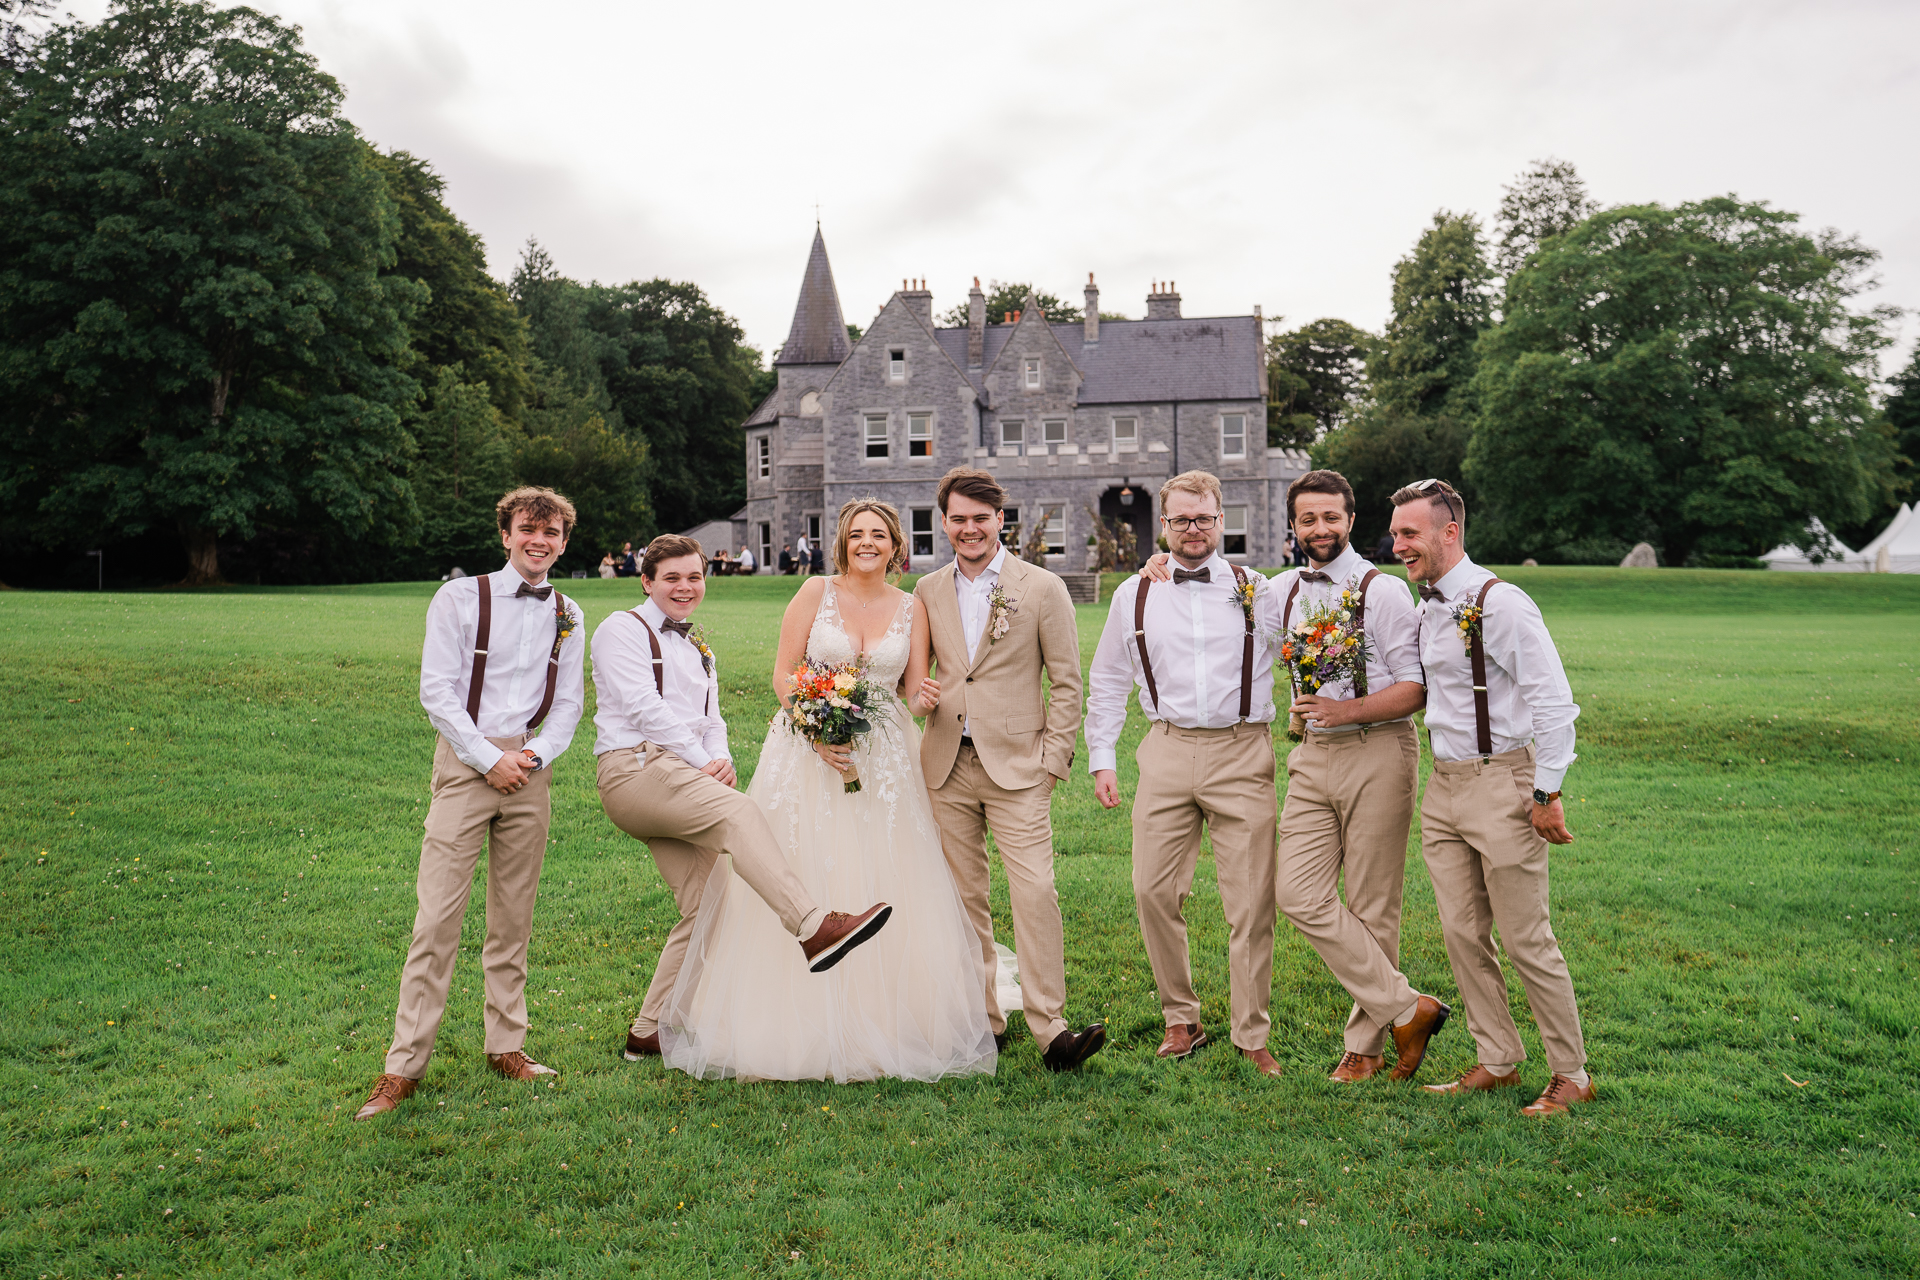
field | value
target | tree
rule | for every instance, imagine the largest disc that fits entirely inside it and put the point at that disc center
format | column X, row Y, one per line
column 1002, row 298
column 1695, row 377
column 569, row 447
column 1901, row 424
column 1314, row 377
column 16, row 38
column 465, row 462
column 1548, row 200
column 199, row 330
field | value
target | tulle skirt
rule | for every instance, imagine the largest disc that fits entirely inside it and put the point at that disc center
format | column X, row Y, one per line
column 906, row 1004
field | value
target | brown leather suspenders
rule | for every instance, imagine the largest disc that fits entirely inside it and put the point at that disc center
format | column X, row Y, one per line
column 1482, row 717
column 1360, row 626
column 484, row 633
column 1246, row 646
column 659, row 661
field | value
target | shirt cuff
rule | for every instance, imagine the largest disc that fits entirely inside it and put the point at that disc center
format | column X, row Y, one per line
column 539, row 747
column 1548, row 779
column 487, row 756
column 1099, row 758
column 697, row 756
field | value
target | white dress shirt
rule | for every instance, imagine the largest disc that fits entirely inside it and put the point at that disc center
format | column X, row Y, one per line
column 518, row 646
column 1195, row 634
column 1528, row 697
column 1392, row 626
column 630, row 708
column 974, row 607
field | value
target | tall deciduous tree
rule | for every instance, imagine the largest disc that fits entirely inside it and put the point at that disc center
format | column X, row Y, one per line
column 199, row 330
column 1002, row 298
column 1314, row 377
column 464, row 463
column 568, row 446
column 1549, row 199
column 1696, row 377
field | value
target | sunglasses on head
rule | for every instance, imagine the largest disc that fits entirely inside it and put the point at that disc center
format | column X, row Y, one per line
column 1432, row 487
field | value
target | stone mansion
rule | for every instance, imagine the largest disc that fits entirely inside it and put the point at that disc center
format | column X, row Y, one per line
column 1071, row 418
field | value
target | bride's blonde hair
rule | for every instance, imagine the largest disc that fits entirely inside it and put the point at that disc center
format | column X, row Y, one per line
column 888, row 516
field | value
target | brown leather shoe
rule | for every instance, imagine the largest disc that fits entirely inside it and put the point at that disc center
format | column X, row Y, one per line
column 518, row 1066
column 1182, row 1039
column 1355, row 1067
column 840, row 933
column 1069, row 1049
column 639, row 1046
column 1410, row 1041
column 1478, row 1080
column 1561, row 1093
column 389, row 1091
column 1262, row 1061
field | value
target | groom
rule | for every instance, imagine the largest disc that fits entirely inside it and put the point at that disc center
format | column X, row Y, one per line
column 992, row 754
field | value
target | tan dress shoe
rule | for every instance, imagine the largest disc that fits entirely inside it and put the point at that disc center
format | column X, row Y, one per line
column 518, row 1066
column 1410, row 1041
column 1478, row 1080
column 1560, row 1095
column 1355, row 1067
column 1182, row 1039
column 1262, row 1061
column 389, row 1091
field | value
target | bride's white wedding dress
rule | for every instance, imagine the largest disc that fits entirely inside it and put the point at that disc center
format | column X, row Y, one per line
column 905, row 1005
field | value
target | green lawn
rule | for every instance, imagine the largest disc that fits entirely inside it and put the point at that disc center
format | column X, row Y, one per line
column 208, row 832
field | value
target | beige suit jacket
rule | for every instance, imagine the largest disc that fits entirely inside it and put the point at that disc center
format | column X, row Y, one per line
column 1019, row 737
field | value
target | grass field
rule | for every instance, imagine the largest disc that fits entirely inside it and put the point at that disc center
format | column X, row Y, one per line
column 208, row 832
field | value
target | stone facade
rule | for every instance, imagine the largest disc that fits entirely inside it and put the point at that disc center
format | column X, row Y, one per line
column 1073, row 419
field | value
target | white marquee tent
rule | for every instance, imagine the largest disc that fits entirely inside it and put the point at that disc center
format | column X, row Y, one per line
column 1900, row 544
column 1794, row 560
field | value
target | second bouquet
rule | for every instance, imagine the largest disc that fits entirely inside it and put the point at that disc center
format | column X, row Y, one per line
column 1327, row 645
column 833, row 703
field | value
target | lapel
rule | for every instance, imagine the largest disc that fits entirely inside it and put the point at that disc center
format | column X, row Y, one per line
column 943, row 613
column 1013, row 572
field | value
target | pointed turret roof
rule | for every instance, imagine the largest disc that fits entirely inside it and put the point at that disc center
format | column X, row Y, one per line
column 819, row 333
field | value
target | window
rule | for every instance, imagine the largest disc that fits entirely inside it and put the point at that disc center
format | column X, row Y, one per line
column 922, row 538
column 920, row 435
column 1126, row 435
column 1010, row 530
column 1055, row 526
column 1233, row 435
column 896, row 365
column 1033, row 373
column 813, row 531
column 1012, row 436
column 876, row 435
column 1233, row 532
column 1053, row 433
column 766, row 546
column 763, row 446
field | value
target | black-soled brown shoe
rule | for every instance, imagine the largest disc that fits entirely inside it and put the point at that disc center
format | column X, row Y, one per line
column 1410, row 1041
column 840, row 933
column 1071, row 1048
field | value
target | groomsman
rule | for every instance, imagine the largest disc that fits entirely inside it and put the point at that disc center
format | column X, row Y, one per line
column 994, row 750
column 1196, row 649
column 1350, row 789
column 666, row 776
column 1500, row 714
column 500, row 679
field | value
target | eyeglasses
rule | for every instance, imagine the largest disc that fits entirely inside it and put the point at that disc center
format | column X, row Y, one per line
column 1180, row 524
column 1432, row 487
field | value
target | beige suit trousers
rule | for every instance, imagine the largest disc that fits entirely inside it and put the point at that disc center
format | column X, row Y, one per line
column 1223, row 777
column 1349, row 809
column 464, row 816
column 688, row 819
column 1489, row 869
column 964, row 807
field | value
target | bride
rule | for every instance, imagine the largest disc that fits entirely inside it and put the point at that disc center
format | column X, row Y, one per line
column 908, row 1005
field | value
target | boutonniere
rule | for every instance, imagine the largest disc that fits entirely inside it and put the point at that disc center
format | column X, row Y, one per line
column 698, row 639
column 1243, row 596
column 565, row 620
column 1466, row 616
column 1000, row 611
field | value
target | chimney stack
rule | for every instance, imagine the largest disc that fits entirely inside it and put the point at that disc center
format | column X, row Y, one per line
column 918, row 298
column 1164, row 302
column 976, row 325
column 1093, row 310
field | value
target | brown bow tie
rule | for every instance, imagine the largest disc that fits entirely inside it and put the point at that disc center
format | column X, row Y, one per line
column 1311, row 575
column 1203, row 574
column 538, row 593
column 1431, row 593
column 678, row 628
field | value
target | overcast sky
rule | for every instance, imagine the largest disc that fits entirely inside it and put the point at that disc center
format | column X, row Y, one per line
column 1273, row 154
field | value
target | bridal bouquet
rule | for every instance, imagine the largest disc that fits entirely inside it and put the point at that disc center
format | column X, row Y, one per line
column 833, row 703
column 1323, row 647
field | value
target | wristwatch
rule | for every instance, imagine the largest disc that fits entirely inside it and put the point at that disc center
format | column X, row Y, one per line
column 538, row 763
column 1542, row 797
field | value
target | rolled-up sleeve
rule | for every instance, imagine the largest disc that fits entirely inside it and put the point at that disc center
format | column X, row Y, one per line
column 1394, row 622
column 1519, row 642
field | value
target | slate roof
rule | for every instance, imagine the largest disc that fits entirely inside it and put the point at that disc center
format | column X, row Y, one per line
column 767, row 412
column 1139, row 361
column 819, row 333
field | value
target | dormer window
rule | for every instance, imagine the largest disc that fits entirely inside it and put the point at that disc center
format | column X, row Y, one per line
column 896, row 365
column 1033, row 373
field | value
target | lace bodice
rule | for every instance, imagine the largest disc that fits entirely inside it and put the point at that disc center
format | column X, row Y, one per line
column 829, row 641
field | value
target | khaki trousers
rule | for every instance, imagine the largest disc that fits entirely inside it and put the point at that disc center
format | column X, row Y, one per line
column 1489, row 868
column 964, row 807
column 465, row 815
column 688, row 819
column 1223, row 777
column 1349, row 809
